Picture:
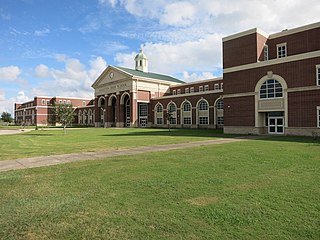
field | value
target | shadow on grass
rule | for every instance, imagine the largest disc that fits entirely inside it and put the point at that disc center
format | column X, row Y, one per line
column 296, row 139
column 207, row 133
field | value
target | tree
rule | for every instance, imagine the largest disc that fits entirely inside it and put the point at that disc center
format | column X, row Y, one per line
column 6, row 117
column 63, row 114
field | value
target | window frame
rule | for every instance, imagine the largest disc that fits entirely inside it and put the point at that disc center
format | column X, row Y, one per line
column 185, row 104
column 267, row 89
column 282, row 45
column 203, row 120
column 179, row 91
column 219, row 104
column 201, row 105
column 191, row 89
column 265, row 52
column 174, row 92
column 200, row 88
column 186, row 90
column 206, row 88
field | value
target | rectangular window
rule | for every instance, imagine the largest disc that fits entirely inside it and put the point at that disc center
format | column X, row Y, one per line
column 220, row 120
column 281, row 50
column 216, row 86
column 318, row 74
column 203, row 120
column 60, row 101
column 206, row 88
column 186, row 90
column 187, row 120
column 83, row 103
column 43, row 102
column 266, row 53
column 200, row 88
column 69, row 102
column 221, row 85
column 179, row 91
column 159, row 121
column 192, row 90
column 48, row 102
column 174, row 92
column 143, row 110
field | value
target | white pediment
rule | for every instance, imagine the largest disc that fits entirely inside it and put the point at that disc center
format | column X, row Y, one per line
column 110, row 75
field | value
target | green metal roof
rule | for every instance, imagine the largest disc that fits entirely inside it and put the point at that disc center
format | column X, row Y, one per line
column 150, row 75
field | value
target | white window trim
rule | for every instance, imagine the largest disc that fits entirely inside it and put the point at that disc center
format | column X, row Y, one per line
column 266, row 52
column 206, row 88
column 317, row 75
column 200, row 88
column 191, row 89
column 286, row 49
column 318, row 116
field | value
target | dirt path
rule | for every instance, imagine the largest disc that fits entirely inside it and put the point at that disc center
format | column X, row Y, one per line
column 24, row 163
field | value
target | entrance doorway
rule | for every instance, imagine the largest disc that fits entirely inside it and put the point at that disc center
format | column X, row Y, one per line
column 275, row 123
column 127, row 112
column 143, row 115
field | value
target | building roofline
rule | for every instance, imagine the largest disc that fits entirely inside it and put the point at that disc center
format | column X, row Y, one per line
column 274, row 35
column 295, row 30
column 78, row 98
column 245, row 33
column 199, row 81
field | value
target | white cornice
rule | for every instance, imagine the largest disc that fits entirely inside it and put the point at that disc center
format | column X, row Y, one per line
column 245, row 33
column 199, row 81
column 188, row 94
column 295, row 30
column 293, row 58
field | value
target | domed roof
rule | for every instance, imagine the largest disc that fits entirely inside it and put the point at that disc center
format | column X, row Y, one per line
column 140, row 55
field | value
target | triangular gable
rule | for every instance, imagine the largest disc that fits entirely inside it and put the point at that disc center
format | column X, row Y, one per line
column 105, row 76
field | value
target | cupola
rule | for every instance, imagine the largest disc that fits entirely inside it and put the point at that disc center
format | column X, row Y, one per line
column 141, row 62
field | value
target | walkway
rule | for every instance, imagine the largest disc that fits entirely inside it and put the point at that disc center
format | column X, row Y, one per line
column 33, row 162
column 13, row 131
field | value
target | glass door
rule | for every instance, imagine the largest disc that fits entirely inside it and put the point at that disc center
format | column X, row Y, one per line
column 276, row 125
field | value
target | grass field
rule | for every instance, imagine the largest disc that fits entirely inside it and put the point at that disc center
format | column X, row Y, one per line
column 54, row 141
column 246, row 190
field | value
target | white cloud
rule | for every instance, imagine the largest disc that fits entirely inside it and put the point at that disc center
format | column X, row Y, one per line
column 42, row 71
column 74, row 80
column 7, row 104
column 172, row 59
column 10, row 73
column 4, row 15
column 42, row 32
column 178, row 14
column 187, row 77
column 106, row 2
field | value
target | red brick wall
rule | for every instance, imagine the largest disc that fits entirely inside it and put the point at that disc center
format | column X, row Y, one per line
column 302, row 108
column 296, row 74
column 239, row 111
column 301, row 42
column 240, row 51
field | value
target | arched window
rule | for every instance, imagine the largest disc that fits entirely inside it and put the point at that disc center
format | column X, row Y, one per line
column 186, row 107
column 159, row 114
column 203, row 105
column 271, row 89
column 186, row 114
column 219, row 104
column 172, row 109
column 159, row 108
column 203, row 112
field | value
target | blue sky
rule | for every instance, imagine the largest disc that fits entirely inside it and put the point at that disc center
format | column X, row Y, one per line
column 60, row 47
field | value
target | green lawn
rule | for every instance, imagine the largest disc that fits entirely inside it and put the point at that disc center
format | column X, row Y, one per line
column 246, row 190
column 54, row 141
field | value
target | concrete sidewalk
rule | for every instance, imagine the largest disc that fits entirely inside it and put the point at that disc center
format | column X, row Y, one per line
column 33, row 162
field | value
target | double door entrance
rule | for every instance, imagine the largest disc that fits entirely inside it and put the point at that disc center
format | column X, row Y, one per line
column 275, row 122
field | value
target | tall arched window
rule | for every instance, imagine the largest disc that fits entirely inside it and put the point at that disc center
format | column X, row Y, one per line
column 186, row 114
column 219, row 104
column 271, row 89
column 203, row 112
column 159, row 114
column 172, row 109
